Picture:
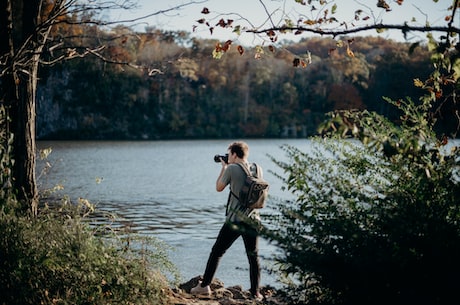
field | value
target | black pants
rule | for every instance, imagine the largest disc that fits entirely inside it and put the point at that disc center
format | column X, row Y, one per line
column 227, row 235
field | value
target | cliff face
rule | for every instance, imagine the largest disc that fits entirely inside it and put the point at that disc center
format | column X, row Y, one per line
column 51, row 106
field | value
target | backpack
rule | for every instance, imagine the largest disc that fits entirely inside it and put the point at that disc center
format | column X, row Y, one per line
column 254, row 191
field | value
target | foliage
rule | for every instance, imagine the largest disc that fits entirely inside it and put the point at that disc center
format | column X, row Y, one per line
column 57, row 258
column 376, row 221
column 7, row 197
column 195, row 96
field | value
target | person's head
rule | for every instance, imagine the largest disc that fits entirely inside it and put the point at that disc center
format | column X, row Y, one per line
column 238, row 149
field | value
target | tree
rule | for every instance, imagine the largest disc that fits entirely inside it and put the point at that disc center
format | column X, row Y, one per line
column 318, row 17
column 35, row 32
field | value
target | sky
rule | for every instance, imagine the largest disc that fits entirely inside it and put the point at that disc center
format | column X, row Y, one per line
column 421, row 11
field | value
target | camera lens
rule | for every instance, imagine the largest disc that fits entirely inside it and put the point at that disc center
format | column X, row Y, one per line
column 217, row 158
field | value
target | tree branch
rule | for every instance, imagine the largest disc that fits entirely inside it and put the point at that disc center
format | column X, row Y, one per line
column 404, row 28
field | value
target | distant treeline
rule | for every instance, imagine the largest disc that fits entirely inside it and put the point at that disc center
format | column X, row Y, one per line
column 184, row 93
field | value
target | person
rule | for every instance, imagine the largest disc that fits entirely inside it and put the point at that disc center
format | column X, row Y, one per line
column 239, row 220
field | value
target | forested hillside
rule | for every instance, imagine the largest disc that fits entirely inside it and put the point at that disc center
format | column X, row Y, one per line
column 181, row 91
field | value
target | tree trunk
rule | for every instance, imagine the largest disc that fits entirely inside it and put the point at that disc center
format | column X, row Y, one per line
column 20, row 50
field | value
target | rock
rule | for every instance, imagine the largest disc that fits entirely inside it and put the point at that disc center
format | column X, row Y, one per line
column 234, row 295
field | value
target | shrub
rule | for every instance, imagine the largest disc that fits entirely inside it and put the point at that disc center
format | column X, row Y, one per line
column 58, row 258
column 375, row 221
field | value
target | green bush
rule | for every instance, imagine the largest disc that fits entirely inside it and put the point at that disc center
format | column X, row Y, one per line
column 375, row 221
column 58, row 258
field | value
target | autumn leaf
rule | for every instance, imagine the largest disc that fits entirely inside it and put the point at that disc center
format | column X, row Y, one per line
column 221, row 23
column 205, row 10
column 383, row 4
column 418, row 83
column 217, row 52
column 296, row 62
column 218, row 47
column 240, row 50
column 350, row 52
column 444, row 140
column 309, row 22
column 227, row 45
column 259, row 52
column 202, row 20
column 271, row 48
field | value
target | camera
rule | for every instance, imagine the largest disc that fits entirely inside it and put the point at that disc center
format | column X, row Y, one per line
column 223, row 157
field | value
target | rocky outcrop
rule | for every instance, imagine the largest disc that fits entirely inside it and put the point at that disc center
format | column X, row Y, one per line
column 221, row 295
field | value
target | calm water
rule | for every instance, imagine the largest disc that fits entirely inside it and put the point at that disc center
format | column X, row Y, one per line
column 166, row 189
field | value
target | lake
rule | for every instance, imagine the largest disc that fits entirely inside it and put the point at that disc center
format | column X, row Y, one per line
column 166, row 189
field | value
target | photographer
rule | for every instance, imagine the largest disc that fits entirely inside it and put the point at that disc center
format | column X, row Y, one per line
column 239, row 220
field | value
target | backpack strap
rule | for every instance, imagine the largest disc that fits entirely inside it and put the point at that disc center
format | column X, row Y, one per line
column 246, row 170
column 248, row 173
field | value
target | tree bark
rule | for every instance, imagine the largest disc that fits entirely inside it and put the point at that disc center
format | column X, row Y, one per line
column 20, row 51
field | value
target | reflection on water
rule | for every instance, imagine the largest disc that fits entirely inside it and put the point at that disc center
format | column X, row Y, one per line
column 165, row 189
column 155, row 218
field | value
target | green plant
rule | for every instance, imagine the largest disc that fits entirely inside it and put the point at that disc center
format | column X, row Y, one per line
column 374, row 221
column 58, row 258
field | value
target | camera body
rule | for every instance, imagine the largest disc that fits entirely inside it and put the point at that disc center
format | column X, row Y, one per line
column 217, row 158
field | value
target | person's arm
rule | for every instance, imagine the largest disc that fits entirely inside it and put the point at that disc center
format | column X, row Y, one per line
column 220, row 186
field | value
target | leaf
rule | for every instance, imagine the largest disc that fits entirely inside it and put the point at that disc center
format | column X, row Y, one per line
column 296, row 62
column 237, row 30
column 334, row 9
column 240, row 50
column 350, row 52
column 418, row 83
column 227, row 45
column 259, row 52
column 205, row 10
column 309, row 22
column 217, row 54
column 221, row 23
column 413, row 47
column 383, row 4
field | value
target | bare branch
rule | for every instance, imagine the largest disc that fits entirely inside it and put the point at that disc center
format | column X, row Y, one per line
column 161, row 12
column 404, row 28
